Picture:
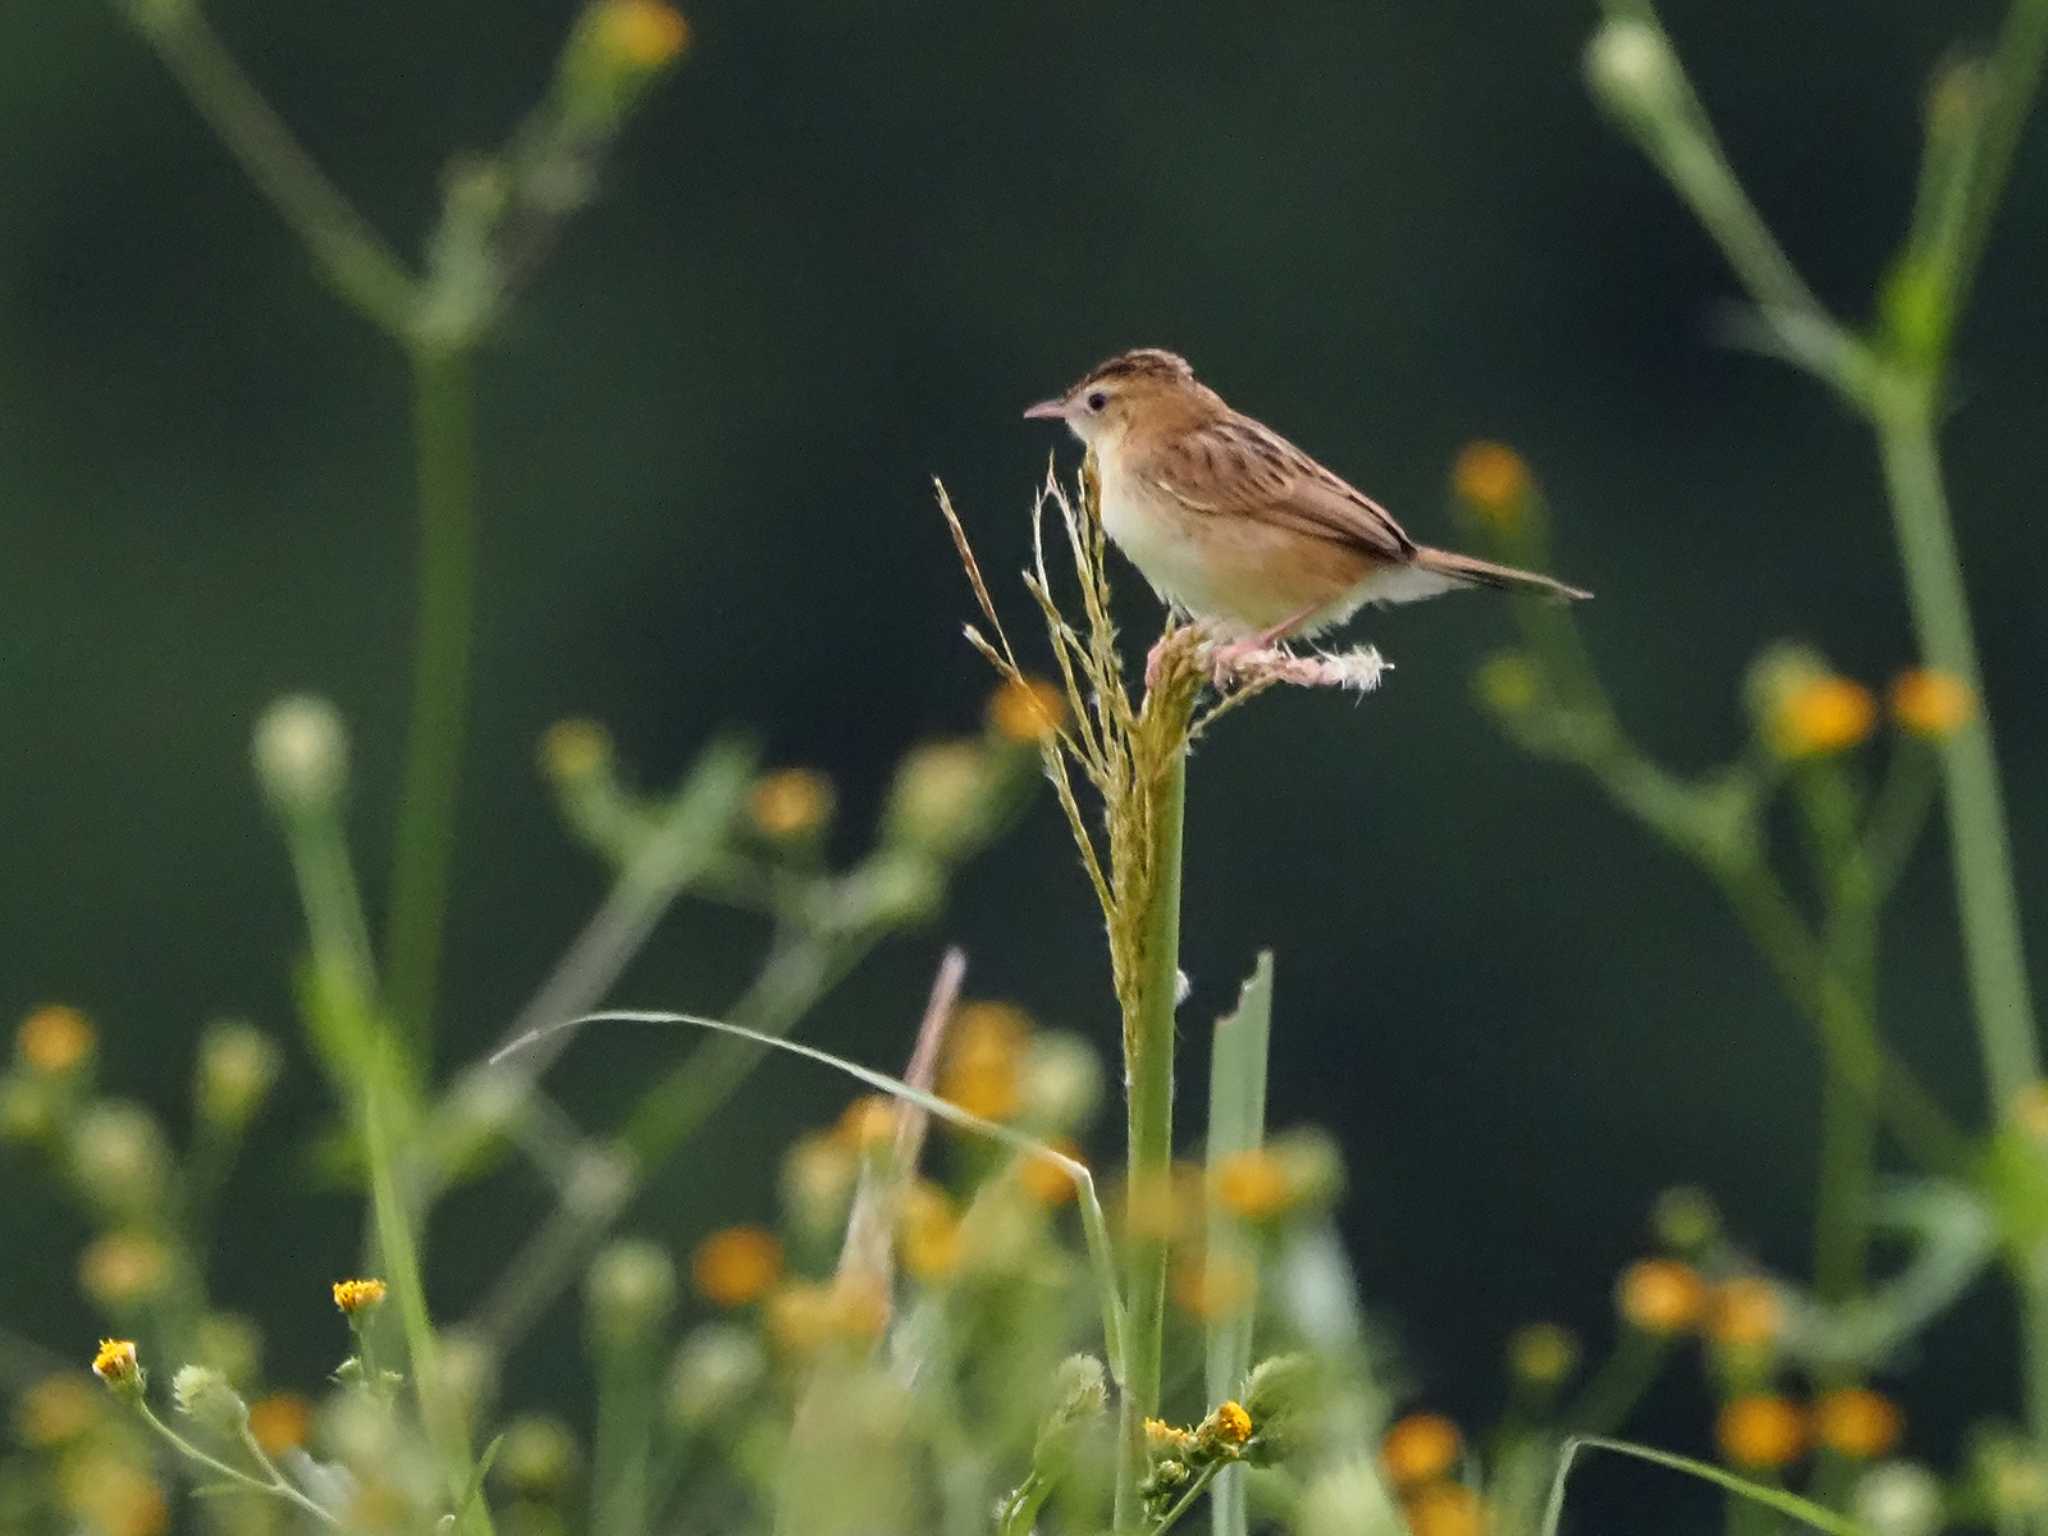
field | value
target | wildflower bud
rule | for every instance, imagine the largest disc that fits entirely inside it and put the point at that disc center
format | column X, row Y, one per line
column 1857, row 1423
column 121, row 1270
column 1345, row 1501
column 1252, row 1185
column 1062, row 1083
column 1509, row 685
column 203, row 1393
column 575, row 751
column 939, row 803
column 631, row 1287
column 896, row 887
column 1312, row 1164
column 1542, row 1356
column 231, row 1343
column 1281, row 1385
column 28, row 1109
column 1932, row 704
column 1760, row 1431
column 1633, row 73
column 54, row 1041
column 1226, row 1428
column 1660, row 1296
column 869, row 1124
column 2011, row 1475
column 738, row 1265
column 1802, row 708
column 1685, row 1219
column 928, row 1234
column 1420, row 1449
column 637, row 35
column 117, row 1365
column 1493, row 480
column 791, row 805
column 1026, row 713
column 55, row 1411
column 1899, row 1498
column 537, row 1458
column 238, row 1066
column 301, row 752
column 465, row 1375
column 357, row 1299
column 1745, row 1315
column 281, row 1422
column 119, row 1159
column 818, row 1174
column 718, row 1369
column 1446, row 1509
column 982, row 1071
column 1080, row 1399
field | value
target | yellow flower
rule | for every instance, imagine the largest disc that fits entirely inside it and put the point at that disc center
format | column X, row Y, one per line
column 356, row 1297
column 1164, row 1206
column 791, row 803
column 1493, row 480
column 1228, row 1425
column 738, row 1265
column 869, row 1123
column 55, row 1410
column 1446, row 1509
column 54, row 1039
column 1211, row 1289
column 1858, row 1423
column 1745, row 1313
column 1760, row 1430
column 1820, row 715
column 1253, row 1184
column 803, row 1316
column 281, row 1422
column 1164, row 1439
column 1044, row 1180
column 929, row 1233
column 1420, row 1449
column 641, row 34
column 118, row 1366
column 120, row 1269
column 113, row 1496
column 1027, row 712
column 1661, row 1296
column 983, row 1070
column 1931, row 703
column 574, row 750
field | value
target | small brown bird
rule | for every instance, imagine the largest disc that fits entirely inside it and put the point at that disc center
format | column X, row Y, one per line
column 1230, row 521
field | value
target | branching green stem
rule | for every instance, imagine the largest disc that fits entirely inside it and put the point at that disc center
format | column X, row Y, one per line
column 275, row 1486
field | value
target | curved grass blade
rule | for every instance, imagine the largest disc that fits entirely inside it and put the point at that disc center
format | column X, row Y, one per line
column 1803, row 1510
column 1093, row 1226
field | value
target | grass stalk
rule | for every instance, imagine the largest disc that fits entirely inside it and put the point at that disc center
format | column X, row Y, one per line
column 1985, row 895
column 1148, row 1071
column 444, row 443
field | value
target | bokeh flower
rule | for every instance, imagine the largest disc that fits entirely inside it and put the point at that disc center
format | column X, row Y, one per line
column 736, row 1265
column 1421, row 1448
column 1932, row 703
column 1661, row 1296
column 1761, row 1431
column 1494, row 481
column 1858, row 1423
column 54, row 1040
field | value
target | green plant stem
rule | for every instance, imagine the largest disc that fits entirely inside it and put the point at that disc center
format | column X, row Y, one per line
column 1187, row 1500
column 359, row 264
column 622, row 1448
column 1149, row 1072
column 2013, row 79
column 1985, row 895
column 444, row 443
column 276, row 1488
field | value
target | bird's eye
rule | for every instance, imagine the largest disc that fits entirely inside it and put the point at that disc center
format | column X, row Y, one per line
column 1097, row 400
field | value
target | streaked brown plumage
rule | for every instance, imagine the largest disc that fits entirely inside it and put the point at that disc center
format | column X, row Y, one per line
column 1232, row 522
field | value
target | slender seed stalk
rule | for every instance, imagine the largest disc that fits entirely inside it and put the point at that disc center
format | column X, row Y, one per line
column 444, row 444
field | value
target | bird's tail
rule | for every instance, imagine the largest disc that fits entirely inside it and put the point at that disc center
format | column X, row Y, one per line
column 1466, row 571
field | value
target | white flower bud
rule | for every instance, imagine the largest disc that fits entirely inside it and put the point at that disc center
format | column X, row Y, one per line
column 301, row 753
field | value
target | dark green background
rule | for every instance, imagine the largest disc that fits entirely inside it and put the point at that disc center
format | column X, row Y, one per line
column 837, row 255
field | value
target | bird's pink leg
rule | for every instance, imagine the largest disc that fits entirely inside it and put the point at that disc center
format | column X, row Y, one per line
column 1224, row 659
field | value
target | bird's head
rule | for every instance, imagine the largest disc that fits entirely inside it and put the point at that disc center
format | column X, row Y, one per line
column 1144, row 384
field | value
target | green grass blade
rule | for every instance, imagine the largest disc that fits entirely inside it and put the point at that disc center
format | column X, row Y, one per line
column 1093, row 1226
column 1237, row 1123
column 1803, row 1510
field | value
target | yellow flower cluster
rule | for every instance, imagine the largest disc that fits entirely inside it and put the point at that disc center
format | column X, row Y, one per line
column 356, row 1297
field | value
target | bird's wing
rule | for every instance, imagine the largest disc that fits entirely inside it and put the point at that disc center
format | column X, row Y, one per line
column 1233, row 467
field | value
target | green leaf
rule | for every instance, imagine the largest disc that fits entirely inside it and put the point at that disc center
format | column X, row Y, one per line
column 1237, row 1123
column 1803, row 1510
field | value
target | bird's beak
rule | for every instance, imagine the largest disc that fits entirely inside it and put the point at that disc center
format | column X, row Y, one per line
column 1047, row 410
